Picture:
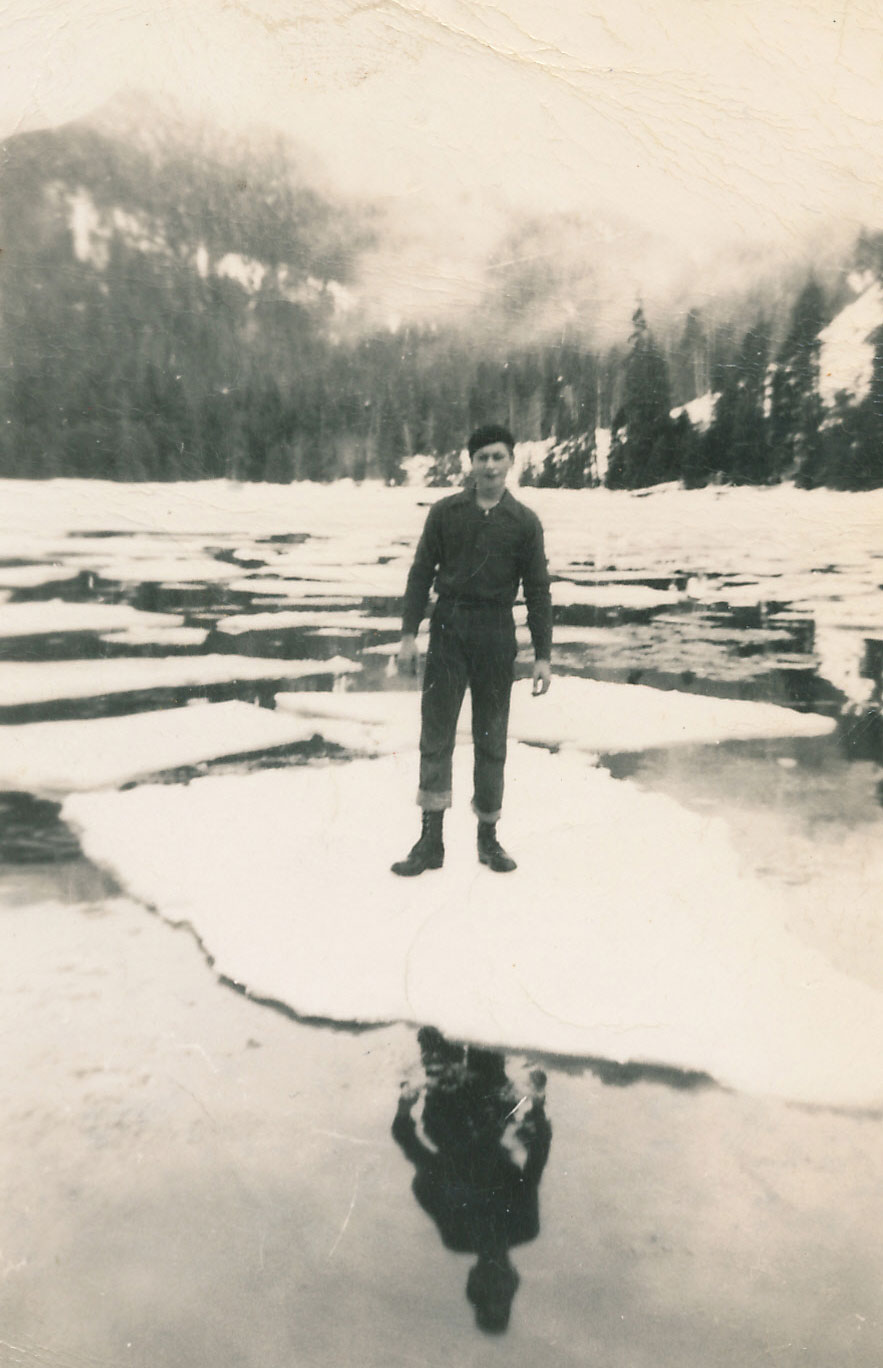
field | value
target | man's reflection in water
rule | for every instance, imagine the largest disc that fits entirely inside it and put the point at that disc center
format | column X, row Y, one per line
column 479, row 1161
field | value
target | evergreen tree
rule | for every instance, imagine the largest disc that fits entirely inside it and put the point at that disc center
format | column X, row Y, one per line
column 870, row 473
column 852, row 435
column 691, row 360
column 796, row 410
column 168, row 311
column 644, row 446
column 570, row 465
column 570, row 388
column 736, row 445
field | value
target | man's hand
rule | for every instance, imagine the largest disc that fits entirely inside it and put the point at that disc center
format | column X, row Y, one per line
column 408, row 656
column 542, row 677
column 408, row 1095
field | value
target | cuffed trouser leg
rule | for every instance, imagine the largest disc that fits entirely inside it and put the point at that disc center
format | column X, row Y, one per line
column 490, row 684
column 444, row 684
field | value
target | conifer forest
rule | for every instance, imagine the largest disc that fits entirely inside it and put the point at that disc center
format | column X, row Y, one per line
column 174, row 311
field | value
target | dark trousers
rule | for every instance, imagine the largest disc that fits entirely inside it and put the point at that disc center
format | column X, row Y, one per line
column 474, row 645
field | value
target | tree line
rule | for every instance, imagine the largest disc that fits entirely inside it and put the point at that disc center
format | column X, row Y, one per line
column 768, row 422
column 134, row 345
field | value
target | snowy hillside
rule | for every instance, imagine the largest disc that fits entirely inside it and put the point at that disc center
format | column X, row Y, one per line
column 846, row 357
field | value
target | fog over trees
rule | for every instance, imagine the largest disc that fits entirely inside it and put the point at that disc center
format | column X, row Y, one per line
column 174, row 310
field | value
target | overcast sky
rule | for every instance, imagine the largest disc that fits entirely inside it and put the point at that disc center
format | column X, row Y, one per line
column 728, row 122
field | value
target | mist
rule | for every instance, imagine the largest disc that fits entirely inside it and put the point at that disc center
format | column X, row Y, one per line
column 527, row 172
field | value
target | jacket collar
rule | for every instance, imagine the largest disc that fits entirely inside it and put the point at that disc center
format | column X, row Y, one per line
column 505, row 501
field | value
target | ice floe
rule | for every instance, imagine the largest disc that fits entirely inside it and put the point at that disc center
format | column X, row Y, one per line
column 193, row 569
column 32, row 576
column 56, row 615
column 286, row 619
column 23, row 682
column 58, row 757
column 312, row 593
column 157, row 636
column 821, row 549
column 565, row 592
column 630, row 930
column 310, row 580
column 582, row 713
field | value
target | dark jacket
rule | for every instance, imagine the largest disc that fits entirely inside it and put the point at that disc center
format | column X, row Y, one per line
column 480, row 1199
column 480, row 556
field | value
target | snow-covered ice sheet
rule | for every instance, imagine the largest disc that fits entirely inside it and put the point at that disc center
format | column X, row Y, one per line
column 55, row 615
column 157, row 636
column 365, row 581
column 31, row 576
column 630, row 717
column 193, row 569
column 303, row 592
column 58, row 757
column 590, row 636
column 43, row 681
column 635, row 596
column 821, row 549
column 583, row 713
column 629, row 931
column 379, row 722
column 286, row 619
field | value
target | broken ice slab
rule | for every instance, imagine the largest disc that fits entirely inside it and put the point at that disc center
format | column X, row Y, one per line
column 156, row 636
column 56, row 615
column 632, row 929
column 287, row 619
column 24, row 682
column 33, row 576
column 59, row 757
column 580, row 713
column 616, row 595
column 194, row 569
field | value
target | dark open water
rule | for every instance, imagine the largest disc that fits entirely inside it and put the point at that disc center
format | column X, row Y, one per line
column 312, row 1196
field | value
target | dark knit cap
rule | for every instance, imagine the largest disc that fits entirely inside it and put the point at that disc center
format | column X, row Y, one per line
column 488, row 435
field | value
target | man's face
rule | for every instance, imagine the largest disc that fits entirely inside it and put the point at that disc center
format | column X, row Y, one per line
column 490, row 466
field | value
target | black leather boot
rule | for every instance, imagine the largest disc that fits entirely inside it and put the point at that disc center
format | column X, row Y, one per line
column 429, row 852
column 490, row 852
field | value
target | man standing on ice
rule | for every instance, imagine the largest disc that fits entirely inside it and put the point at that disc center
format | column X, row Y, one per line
column 477, row 546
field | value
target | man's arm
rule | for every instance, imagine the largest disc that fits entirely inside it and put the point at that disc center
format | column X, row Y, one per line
column 537, row 596
column 537, row 1144
column 420, row 577
column 404, row 1130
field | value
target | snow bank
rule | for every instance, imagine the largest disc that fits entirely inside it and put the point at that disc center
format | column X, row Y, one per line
column 582, row 713
column 46, row 680
column 629, row 931
column 58, row 757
